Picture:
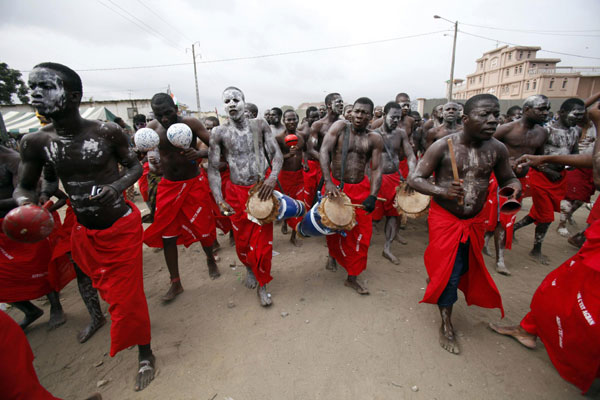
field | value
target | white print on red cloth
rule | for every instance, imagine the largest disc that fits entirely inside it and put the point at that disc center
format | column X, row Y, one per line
column 586, row 313
column 560, row 332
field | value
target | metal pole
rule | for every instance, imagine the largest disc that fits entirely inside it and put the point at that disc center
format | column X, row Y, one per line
column 196, row 78
column 452, row 65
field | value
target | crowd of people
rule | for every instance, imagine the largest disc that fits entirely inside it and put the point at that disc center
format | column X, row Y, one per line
column 468, row 157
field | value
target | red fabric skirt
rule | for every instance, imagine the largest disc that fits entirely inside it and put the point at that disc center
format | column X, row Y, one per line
column 253, row 242
column 18, row 380
column 565, row 314
column 389, row 183
column 312, row 177
column 580, row 184
column 404, row 170
column 183, row 209
column 112, row 258
column 446, row 231
column 495, row 216
column 546, row 196
column 594, row 213
column 292, row 183
column 221, row 221
column 143, row 182
column 351, row 251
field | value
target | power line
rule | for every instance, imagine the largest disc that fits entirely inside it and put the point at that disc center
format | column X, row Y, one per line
column 542, row 31
column 285, row 53
column 515, row 44
column 165, row 21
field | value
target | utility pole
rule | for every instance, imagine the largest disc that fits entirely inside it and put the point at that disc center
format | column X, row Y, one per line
column 196, row 79
column 452, row 65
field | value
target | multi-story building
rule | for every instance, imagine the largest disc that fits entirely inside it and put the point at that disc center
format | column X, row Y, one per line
column 514, row 73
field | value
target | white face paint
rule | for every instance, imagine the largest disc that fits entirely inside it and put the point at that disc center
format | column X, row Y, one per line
column 47, row 91
column 234, row 104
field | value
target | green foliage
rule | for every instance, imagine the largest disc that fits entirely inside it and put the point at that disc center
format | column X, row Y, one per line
column 11, row 84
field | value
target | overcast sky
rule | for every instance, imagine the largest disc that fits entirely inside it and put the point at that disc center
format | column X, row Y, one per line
column 90, row 35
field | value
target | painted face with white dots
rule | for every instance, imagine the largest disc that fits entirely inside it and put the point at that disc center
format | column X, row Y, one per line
column 48, row 94
column 234, row 103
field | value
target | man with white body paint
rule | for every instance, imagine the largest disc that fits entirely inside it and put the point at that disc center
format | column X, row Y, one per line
column 107, row 238
column 523, row 136
column 237, row 142
column 548, row 183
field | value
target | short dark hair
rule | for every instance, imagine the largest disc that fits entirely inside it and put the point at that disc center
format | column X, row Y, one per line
column 569, row 104
column 139, row 118
column 329, row 98
column 513, row 110
column 365, row 100
column 252, row 107
column 311, row 109
column 162, row 98
column 277, row 111
column 290, row 111
column 472, row 102
column 235, row 88
column 70, row 78
column 415, row 114
column 213, row 119
column 389, row 105
column 118, row 119
column 402, row 95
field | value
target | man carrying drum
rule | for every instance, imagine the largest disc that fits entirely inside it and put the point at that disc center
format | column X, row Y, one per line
column 244, row 143
column 396, row 145
column 352, row 147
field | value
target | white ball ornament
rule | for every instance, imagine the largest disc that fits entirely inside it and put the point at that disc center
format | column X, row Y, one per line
column 180, row 135
column 146, row 139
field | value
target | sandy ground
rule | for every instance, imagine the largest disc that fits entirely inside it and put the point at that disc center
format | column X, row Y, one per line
column 216, row 342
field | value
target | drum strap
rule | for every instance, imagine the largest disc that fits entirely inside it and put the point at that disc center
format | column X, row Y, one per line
column 345, row 145
column 389, row 153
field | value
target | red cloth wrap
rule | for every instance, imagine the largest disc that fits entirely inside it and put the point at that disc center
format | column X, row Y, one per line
column 594, row 213
column 292, row 183
column 404, row 170
column 580, row 184
column 389, row 183
column 525, row 186
column 18, row 379
column 546, row 196
column 221, row 221
column 253, row 242
column 29, row 270
column 143, row 182
column 312, row 177
column 351, row 251
column 112, row 258
column 446, row 231
column 183, row 209
column 60, row 268
column 494, row 216
column 565, row 314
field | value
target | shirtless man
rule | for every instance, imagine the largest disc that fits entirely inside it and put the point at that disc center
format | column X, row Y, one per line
column 107, row 239
column 514, row 113
column 378, row 113
column 448, row 126
column 312, row 115
column 291, row 177
column 251, row 111
column 456, row 221
column 548, row 183
column 335, row 107
column 523, row 136
column 183, row 213
column 275, row 116
column 347, row 112
column 436, row 120
column 395, row 147
column 241, row 142
column 322, row 111
column 408, row 122
column 364, row 149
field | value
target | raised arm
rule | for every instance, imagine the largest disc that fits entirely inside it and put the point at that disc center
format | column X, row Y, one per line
column 591, row 100
column 408, row 152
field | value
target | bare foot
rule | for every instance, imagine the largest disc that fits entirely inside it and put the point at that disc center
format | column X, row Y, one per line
column 284, row 228
column 539, row 257
column 175, row 290
column 399, row 238
column 353, row 283
column 57, row 318
column 331, row 264
column 264, row 296
column 295, row 240
column 213, row 269
column 250, row 281
column 388, row 254
column 145, row 373
column 501, row 269
column 29, row 318
column 89, row 330
column 520, row 334
column 448, row 339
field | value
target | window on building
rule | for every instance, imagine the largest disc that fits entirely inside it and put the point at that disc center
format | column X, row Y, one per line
column 528, row 54
column 533, row 65
column 520, row 68
column 479, row 78
column 534, row 84
column 564, row 85
column 527, row 85
column 551, row 83
column 510, row 56
column 507, row 72
column 520, row 55
column 516, row 70
column 494, row 62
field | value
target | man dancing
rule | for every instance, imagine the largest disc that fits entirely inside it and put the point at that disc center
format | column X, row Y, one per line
column 107, row 239
column 241, row 142
column 456, row 222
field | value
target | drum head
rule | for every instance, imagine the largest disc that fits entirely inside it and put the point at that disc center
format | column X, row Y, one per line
column 413, row 204
column 264, row 211
column 336, row 214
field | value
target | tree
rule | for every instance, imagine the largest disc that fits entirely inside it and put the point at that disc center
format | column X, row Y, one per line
column 11, row 84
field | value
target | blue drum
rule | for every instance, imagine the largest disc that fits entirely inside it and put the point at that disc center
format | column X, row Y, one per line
column 288, row 207
column 311, row 224
column 327, row 217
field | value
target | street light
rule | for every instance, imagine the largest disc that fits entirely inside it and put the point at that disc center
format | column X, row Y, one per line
column 453, row 55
